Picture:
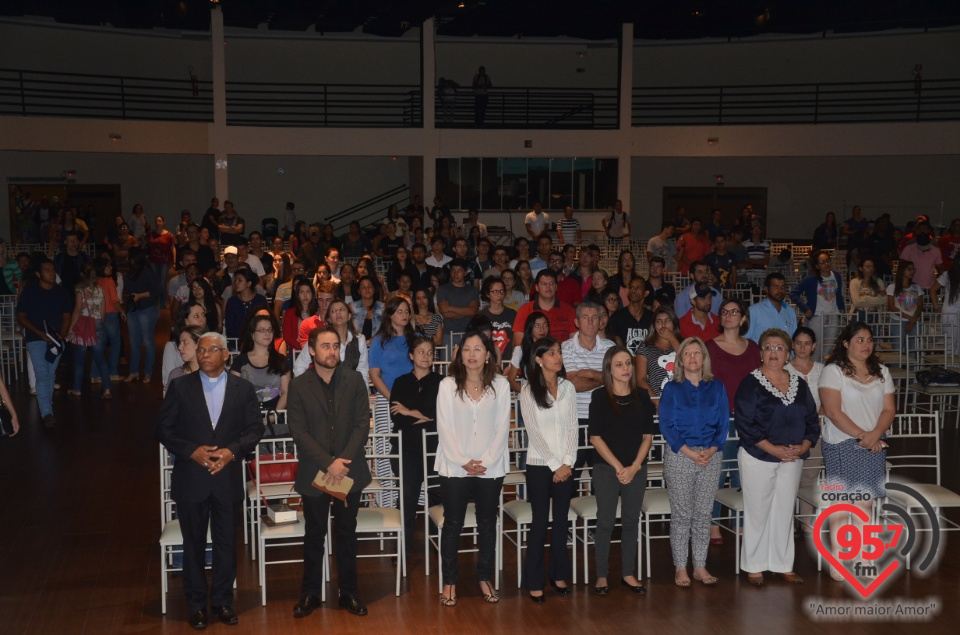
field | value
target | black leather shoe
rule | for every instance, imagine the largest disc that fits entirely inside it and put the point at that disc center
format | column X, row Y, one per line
column 639, row 589
column 306, row 606
column 353, row 604
column 537, row 599
column 601, row 590
column 199, row 620
column 226, row 614
column 561, row 590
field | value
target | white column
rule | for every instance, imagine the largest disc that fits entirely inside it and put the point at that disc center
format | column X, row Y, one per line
column 626, row 121
column 219, row 79
column 428, row 73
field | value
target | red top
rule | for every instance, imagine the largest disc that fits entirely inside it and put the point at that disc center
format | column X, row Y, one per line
column 731, row 369
column 291, row 328
column 160, row 248
column 689, row 328
column 561, row 317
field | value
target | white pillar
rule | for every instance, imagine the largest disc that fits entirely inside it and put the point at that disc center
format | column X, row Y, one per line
column 626, row 121
column 428, row 73
column 219, row 80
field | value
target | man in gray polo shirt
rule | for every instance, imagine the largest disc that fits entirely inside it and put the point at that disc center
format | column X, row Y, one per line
column 457, row 301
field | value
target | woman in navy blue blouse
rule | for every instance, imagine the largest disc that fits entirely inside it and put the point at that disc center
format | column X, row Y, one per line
column 694, row 419
column 777, row 421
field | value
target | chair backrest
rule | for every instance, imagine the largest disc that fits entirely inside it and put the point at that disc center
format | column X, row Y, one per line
column 431, row 480
column 384, row 446
column 167, row 506
column 915, row 446
column 8, row 318
column 274, row 469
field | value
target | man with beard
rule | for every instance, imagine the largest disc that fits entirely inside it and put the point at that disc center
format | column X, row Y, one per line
column 772, row 312
column 329, row 413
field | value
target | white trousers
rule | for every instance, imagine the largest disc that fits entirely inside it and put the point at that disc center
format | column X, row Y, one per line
column 769, row 492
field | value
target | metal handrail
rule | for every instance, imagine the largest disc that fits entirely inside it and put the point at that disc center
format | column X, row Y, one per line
column 533, row 107
column 824, row 102
column 51, row 94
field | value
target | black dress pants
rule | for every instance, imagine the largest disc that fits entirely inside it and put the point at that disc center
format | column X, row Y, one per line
column 315, row 514
column 541, row 490
column 457, row 492
column 221, row 515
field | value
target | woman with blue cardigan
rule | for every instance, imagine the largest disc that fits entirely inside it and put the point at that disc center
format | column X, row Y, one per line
column 818, row 294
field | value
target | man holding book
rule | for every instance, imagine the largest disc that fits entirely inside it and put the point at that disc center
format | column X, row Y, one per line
column 328, row 409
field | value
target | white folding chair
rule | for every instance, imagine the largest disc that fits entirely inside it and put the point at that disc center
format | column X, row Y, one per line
column 375, row 522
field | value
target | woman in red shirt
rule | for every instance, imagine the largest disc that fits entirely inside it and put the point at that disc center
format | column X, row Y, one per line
column 161, row 254
column 303, row 304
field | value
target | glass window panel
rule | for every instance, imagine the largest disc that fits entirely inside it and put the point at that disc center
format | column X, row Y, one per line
column 538, row 182
column 561, row 184
column 469, row 183
column 582, row 184
column 448, row 182
column 490, row 181
column 606, row 184
column 513, row 183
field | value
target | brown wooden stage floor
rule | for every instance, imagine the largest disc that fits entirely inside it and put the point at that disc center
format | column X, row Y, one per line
column 79, row 554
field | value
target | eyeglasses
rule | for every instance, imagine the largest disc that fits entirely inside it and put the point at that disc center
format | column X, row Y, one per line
column 213, row 350
column 497, row 292
column 776, row 349
column 264, row 330
column 729, row 311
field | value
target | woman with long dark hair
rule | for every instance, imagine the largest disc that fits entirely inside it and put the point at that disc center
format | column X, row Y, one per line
column 867, row 294
column 389, row 358
column 261, row 364
column 473, row 423
column 905, row 301
column 492, row 293
column 107, row 279
column 202, row 292
column 621, row 433
column 187, row 347
column 426, row 319
column 141, row 295
column 303, row 305
column 513, row 297
column 536, row 328
column 244, row 299
column 524, row 282
column 400, row 263
column 626, row 271
column 367, row 311
column 656, row 354
column 162, row 253
column 549, row 406
column 826, row 235
column 857, row 397
column 949, row 281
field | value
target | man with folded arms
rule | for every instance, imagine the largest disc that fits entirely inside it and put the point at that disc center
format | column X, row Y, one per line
column 209, row 421
column 328, row 409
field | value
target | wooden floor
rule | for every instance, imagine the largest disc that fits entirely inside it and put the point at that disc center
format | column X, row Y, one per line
column 79, row 554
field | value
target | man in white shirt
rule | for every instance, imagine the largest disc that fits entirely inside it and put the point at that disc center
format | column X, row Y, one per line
column 537, row 221
column 437, row 258
column 662, row 245
column 583, row 360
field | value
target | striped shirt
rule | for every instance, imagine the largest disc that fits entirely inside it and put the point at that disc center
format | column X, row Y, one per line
column 569, row 228
column 575, row 357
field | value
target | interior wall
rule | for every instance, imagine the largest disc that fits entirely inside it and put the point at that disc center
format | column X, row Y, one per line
column 318, row 186
column 861, row 57
column 162, row 183
column 801, row 190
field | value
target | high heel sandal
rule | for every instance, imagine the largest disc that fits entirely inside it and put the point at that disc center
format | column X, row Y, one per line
column 792, row 578
column 446, row 601
column 706, row 580
column 756, row 579
column 490, row 598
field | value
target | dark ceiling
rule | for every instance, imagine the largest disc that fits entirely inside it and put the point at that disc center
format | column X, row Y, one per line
column 588, row 19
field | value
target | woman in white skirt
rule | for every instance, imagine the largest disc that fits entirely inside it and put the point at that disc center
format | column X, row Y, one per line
column 777, row 422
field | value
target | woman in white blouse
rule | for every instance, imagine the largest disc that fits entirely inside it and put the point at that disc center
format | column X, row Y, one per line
column 549, row 406
column 473, row 421
column 804, row 366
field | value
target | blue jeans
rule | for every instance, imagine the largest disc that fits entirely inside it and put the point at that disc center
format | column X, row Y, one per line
column 99, row 361
column 160, row 271
column 142, row 323
column 46, row 374
column 111, row 338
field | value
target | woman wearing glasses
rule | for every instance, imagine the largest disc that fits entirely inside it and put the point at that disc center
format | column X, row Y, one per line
column 734, row 357
column 262, row 365
column 777, row 421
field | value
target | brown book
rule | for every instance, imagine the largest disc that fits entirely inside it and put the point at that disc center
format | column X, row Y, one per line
column 340, row 491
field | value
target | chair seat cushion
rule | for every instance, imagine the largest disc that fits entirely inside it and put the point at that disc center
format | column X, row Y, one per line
column 730, row 498
column 936, row 495
column 656, row 502
column 373, row 519
column 289, row 530
column 172, row 536
column 521, row 512
column 469, row 519
column 586, row 507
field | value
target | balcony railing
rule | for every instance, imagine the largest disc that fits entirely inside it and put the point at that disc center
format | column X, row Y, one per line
column 324, row 105
column 541, row 108
column 46, row 94
column 850, row 102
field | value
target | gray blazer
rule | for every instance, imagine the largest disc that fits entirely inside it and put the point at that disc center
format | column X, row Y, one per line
column 321, row 438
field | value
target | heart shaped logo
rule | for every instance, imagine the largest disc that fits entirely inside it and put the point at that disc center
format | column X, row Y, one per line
column 867, row 591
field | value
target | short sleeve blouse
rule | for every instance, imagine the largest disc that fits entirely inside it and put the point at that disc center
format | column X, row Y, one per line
column 863, row 403
column 659, row 366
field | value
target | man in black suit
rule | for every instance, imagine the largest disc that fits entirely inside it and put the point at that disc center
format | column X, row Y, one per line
column 328, row 409
column 209, row 420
